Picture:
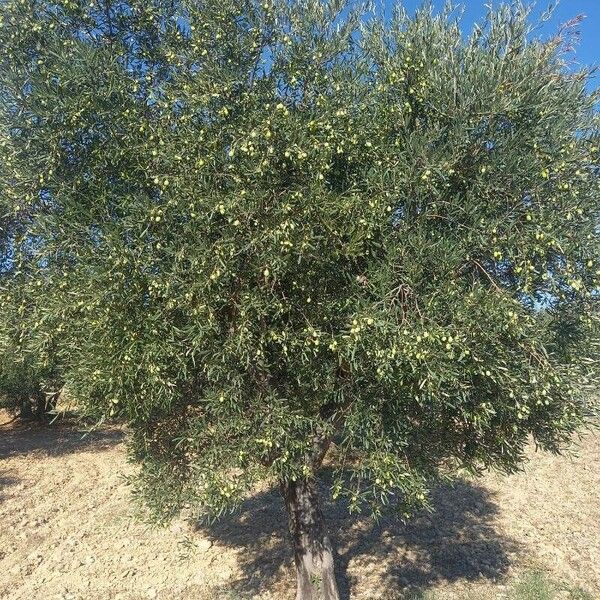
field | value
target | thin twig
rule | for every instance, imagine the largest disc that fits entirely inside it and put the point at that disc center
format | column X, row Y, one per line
column 487, row 274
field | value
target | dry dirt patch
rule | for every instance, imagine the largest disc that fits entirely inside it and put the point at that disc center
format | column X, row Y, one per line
column 68, row 531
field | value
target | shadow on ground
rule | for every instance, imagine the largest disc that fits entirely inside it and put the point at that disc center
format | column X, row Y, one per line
column 457, row 541
column 55, row 439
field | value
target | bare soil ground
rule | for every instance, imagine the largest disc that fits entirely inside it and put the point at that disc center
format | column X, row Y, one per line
column 67, row 532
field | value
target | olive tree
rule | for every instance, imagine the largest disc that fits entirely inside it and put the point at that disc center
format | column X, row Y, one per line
column 29, row 382
column 28, row 390
column 276, row 234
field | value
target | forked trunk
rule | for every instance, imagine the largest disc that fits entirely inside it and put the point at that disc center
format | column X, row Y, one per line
column 313, row 552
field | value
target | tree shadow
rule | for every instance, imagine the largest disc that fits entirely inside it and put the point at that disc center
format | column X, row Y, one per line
column 457, row 541
column 61, row 437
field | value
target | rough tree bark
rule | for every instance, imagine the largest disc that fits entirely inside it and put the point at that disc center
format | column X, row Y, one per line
column 313, row 551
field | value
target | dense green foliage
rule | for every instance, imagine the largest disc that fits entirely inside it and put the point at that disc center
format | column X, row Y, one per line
column 255, row 228
column 29, row 381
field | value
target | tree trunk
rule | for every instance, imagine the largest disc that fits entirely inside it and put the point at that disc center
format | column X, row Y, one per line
column 38, row 406
column 26, row 409
column 39, row 400
column 47, row 405
column 313, row 552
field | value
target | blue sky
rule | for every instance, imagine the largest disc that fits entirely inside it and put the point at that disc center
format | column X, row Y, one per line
column 587, row 51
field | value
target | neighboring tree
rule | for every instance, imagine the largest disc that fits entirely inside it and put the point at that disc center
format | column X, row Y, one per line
column 29, row 383
column 273, row 234
column 23, row 391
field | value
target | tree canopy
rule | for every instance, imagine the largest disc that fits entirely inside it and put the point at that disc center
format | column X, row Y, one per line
column 275, row 233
